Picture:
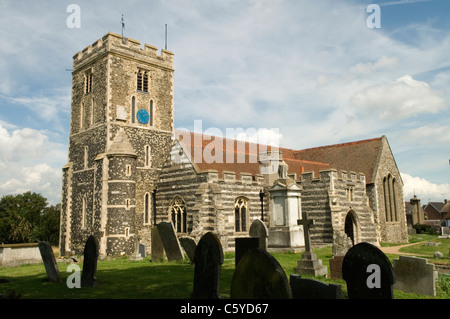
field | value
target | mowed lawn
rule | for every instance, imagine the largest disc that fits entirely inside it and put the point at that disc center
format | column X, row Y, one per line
column 121, row 278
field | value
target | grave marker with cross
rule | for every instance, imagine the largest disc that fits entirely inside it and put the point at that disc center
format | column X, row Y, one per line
column 309, row 264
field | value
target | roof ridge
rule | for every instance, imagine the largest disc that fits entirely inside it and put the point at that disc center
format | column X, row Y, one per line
column 340, row 144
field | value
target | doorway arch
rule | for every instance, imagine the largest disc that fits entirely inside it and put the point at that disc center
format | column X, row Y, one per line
column 351, row 227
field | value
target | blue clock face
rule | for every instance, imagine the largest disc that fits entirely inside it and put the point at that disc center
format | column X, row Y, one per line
column 142, row 116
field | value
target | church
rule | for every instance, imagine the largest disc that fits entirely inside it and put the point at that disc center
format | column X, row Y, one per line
column 128, row 169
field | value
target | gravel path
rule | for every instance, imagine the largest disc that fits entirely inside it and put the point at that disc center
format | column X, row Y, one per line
column 396, row 249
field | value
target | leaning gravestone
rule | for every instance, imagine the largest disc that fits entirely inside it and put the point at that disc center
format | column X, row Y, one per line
column 313, row 289
column 189, row 246
column 259, row 276
column 242, row 246
column 48, row 257
column 368, row 273
column 157, row 246
column 259, row 230
column 416, row 275
column 170, row 241
column 208, row 260
column 89, row 272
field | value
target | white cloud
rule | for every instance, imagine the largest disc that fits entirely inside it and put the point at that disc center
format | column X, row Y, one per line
column 401, row 99
column 430, row 132
column 424, row 189
column 25, row 162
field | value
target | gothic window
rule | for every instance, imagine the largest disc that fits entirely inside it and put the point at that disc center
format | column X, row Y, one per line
column 142, row 81
column 133, row 109
column 240, row 214
column 151, row 113
column 147, row 208
column 178, row 215
column 390, row 202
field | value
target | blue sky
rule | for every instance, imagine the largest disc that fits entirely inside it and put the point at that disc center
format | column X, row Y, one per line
column 311, row 70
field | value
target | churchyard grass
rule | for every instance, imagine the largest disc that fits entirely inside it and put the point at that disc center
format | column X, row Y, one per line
column 123, row 279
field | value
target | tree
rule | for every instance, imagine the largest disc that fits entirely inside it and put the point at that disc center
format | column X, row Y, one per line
column 28, row 218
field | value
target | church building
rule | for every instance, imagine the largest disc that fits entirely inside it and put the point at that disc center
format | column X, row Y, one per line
column 129, row 169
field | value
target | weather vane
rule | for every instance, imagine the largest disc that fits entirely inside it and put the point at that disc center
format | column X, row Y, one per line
column 123, row 25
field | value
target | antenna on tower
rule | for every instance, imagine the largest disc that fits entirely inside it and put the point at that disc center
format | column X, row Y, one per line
column 123, row 25
column 165, row 46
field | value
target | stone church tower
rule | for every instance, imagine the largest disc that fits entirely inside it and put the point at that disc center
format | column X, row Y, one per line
column 122, row 120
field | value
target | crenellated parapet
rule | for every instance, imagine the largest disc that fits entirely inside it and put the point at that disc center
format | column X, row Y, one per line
column 113, row 43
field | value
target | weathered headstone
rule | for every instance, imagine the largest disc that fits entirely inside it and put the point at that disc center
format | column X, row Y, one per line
column 208, row 260
column 189, row 246
column 416, row 275
column 313, row 289
column 242, row 246
column 341, row 244
column 136, row 255
column 259, row 230
column 309, row 264
column 170, row 241
column 48, row 257
column 368, row 273
column 88, row 275
column 157, row 245
column 142, row 250
column 259, row 276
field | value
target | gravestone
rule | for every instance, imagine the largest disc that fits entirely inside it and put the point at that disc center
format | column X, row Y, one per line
column 48, row 257
column 416, row 275
column 313, row 289
column 90, row 254
column 142, row 250
column 208, row 260
column 242, row 246
column 136, row 255
column 341, row 244
column 259, row 276
column 170, row 241
column 259, row 230
column 368, row 273
column 189, row 246
column 157, row 246
column 309, row 264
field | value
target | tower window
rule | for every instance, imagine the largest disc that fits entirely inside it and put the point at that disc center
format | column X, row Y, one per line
column 86, row 156
column 142, row 81
column 147, row 208
column 88, row 82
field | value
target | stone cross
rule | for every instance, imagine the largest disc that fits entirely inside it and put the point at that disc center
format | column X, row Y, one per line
column 309, row 264
column 307, row 223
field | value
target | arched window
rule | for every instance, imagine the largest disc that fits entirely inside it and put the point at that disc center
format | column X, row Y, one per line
column 133, row 110
column 81, row 115
column 145, row 82
column 147, row 208
column 86, row 157
column 178, row 215
column 92, row 112
column 390, row 198
column 240, row 214
column 139, row 80
column 83, row 213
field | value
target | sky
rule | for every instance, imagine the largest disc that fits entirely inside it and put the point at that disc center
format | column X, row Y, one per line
column 308, row 73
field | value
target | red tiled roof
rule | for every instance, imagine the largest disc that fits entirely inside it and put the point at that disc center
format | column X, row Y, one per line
column 359, row 156
column 244, row 158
